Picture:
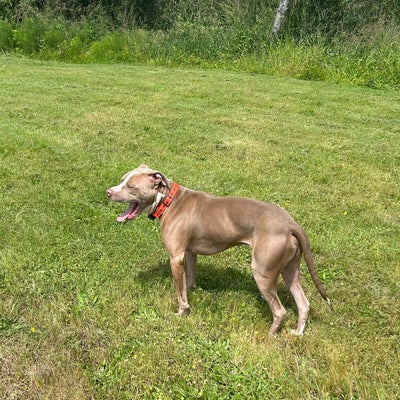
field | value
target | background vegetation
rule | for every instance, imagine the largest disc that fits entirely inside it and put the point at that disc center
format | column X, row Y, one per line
column 87, row 304
column 356, row 42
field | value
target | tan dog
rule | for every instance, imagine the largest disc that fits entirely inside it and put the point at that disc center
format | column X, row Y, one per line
column 197, row 223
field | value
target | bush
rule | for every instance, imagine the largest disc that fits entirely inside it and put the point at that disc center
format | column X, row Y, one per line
column 55, row 35
column 28, row 37
column 113, row 47
column 6, row 36
column 73, row 50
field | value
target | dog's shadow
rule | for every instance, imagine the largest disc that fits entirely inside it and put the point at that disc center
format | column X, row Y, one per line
column 212, row 278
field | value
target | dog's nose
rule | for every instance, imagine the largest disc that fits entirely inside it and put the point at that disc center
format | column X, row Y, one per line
column 110, row 192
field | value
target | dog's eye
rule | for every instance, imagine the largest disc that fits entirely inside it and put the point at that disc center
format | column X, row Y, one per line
column 130, row 184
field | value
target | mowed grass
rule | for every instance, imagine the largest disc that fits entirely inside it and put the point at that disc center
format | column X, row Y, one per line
column 87, row 304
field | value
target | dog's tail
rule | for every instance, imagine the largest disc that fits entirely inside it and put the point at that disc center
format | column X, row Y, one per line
column 301, row 236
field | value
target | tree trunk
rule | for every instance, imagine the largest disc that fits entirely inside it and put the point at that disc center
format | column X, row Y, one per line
column 280, row 13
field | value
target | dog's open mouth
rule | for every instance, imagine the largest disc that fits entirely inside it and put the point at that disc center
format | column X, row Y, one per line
column 132, row 212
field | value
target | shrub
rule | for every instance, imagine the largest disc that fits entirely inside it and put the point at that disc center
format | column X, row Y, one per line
column 28, row 37
column 6, row 36
column 55, row 35
column 113, row 47
column 73, row 49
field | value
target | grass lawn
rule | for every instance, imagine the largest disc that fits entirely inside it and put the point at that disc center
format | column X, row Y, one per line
column 87, row 304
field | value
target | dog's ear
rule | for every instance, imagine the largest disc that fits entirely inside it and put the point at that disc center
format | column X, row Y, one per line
column 159, row 179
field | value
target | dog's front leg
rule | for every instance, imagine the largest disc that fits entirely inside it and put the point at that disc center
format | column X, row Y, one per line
column 190, row 263
column 178, row 273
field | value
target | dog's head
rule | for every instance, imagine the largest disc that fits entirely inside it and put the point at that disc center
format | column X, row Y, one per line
column 142, row 188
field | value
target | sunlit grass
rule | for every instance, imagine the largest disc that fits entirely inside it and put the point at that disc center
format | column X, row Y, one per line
column 87, row 305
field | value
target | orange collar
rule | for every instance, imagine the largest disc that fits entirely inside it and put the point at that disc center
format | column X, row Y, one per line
column 166, row 202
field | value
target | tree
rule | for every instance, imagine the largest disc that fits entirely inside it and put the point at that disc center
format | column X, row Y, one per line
column 280, row 14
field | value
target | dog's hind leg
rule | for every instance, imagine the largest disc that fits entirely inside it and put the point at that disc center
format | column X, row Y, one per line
column 291, row 275
column 266, row 275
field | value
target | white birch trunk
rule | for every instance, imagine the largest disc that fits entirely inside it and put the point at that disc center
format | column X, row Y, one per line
column 280, row 14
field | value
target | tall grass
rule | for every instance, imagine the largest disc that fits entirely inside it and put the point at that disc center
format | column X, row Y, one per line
column 230, row 35
column 373, row 63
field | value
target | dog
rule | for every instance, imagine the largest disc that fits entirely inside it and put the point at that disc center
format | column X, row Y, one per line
column 194, row 222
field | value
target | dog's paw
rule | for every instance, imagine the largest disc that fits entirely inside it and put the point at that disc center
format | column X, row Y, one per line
column 295, row 332
column 183, row 312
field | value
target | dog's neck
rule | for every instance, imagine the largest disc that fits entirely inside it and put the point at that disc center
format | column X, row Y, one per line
column 162, row 201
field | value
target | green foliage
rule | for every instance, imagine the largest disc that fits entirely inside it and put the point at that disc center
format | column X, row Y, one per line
column 311, row 19
column 112, row 47
column 6, row 36
column 28, row 36
column 338, row 41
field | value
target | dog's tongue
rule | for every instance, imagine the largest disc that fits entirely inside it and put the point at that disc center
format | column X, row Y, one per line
column 131, row 213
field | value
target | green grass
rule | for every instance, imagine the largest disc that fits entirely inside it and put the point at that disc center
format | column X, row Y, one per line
column 87, row 305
